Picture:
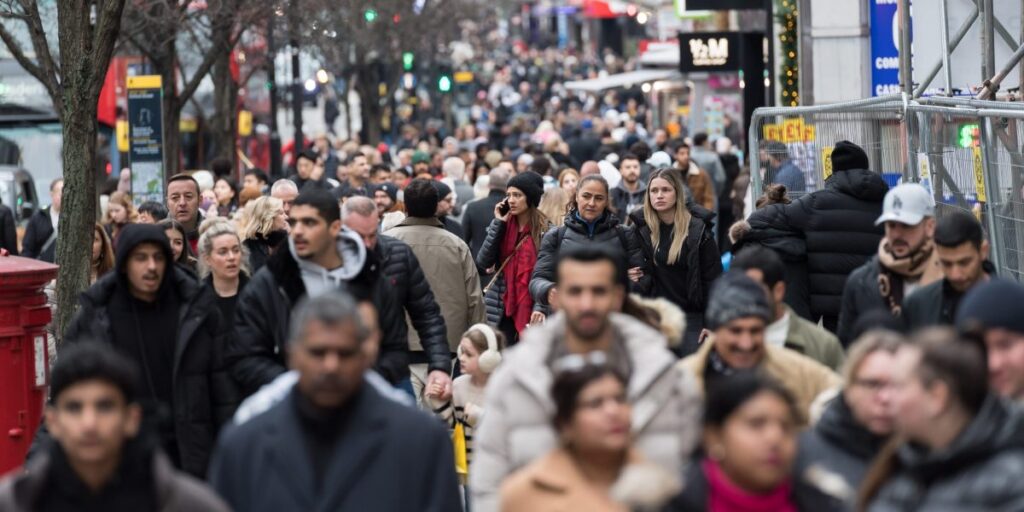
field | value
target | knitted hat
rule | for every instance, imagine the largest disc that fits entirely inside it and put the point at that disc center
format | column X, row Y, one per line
column 992, row 305
column 847, row 155
column 530, row 184
column 442, row 189
column 734, row 295
column 389, row 188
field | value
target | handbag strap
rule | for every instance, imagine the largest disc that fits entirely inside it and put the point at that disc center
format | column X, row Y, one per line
column 502, row 267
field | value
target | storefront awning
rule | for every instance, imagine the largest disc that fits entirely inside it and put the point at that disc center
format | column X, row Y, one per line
column 622, row 80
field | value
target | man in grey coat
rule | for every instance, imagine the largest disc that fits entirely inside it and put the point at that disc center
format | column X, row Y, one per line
column 517, row 426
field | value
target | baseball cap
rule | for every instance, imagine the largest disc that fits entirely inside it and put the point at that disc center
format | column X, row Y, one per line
column 908, row 204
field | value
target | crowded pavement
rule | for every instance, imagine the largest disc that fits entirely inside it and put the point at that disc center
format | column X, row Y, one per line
column 526, row 296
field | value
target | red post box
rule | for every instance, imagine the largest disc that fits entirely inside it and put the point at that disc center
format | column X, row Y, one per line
column 24, row 314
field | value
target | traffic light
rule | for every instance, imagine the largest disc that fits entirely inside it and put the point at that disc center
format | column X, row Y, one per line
column 969, row 135
column 444, row 83
column 370, row 15
column 407, row 61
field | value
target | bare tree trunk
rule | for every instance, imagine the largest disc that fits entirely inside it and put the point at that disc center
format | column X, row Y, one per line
column 224, row 123
column 367, row 83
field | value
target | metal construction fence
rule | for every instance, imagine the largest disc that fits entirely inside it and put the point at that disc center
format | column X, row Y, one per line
column 968, row 153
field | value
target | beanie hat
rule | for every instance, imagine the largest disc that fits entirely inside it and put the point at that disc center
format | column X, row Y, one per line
column 442, row 189
column 734, row 295
column 389, row 188
column 531, row 184
column 847, row 155
column 992, row 305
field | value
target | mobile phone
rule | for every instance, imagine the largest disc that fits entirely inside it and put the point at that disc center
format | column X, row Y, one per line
column 503, row 207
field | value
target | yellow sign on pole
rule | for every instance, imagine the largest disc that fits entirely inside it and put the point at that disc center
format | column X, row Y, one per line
column 463, row 77
column 979, row 174
column 144, row 82
column 121, row 129
column 244, row 123
column 826, row 162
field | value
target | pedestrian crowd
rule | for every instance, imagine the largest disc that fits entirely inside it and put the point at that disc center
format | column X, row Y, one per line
column 551, row 314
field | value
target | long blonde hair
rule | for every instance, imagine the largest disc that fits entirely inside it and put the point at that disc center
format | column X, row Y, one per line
column 258, row 217
column 125, row 201
column 680, row 221
column 553, row 204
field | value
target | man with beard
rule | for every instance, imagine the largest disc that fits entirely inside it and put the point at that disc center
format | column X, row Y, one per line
column 385, row 196
column 963, row 254
column 737, row 315
column 906, row 259
column 335, row 442
column 702, row 189
column 518, row 428
column 356, row 181
column 628, row 195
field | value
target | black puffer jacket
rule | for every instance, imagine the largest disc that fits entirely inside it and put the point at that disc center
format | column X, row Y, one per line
column 263, row 315
column 608, row 232
column 838, row 226
column 981, row 470
column 194, row 362
column 793, row 251
column 260, row 248
column 699, row 267
column 490, row 256
column 860, row 295
column 839, row 444
column 38, row 231
column 403, row 279
column 227, row 394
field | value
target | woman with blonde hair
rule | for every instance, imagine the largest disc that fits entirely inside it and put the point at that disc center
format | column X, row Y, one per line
column 264, row 226
column 120, row 213
column 567, row 180
column 554, row 204
column 102, row 254
column 223, row 273
column 680, row 253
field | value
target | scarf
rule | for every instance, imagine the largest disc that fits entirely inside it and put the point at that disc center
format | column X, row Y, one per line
column 518, row 303
column 921, row 265
column 725, row 496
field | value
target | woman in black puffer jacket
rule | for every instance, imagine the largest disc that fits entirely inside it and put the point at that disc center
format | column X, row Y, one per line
column 681, row 257
column 589, row 222
column 264, row 227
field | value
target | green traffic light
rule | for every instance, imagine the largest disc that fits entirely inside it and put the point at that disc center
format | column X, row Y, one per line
column 967, row 135
column 370, row 15
column 444, row 84
column 407, row 61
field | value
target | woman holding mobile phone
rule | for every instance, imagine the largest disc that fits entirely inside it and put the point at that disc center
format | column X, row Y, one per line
column 513, row 239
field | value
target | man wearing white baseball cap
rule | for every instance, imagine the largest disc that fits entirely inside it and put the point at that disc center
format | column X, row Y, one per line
column 906, row 258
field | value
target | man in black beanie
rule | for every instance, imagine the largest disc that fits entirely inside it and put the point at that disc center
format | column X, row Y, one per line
column 991, row 314
column 833, row 227
column 445, row 205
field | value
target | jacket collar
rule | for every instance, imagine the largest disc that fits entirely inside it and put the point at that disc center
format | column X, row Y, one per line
column 419, row 221
column 557, row 473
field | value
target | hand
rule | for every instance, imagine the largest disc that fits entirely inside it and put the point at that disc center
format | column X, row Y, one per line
column 537, row 318
column 704, row 333
column 552, row 296
column 497, row 212
column 439, row 385
column 635, row 274
column 473, row 412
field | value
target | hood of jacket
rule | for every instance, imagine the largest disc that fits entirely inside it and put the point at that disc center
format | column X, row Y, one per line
column 838, row 425
column 860, row 183
column 133, row 235
column 996, row 428
column 354, row 257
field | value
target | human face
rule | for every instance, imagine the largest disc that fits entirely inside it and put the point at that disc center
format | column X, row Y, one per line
column 57, row 195
column 588, row 294
column 225, row 257
column 517, row 201
column 183, row 200
column 630, row 170
column 97, row 246
column 913, row 406
column 251, row 181
column 906, row 240
column 287, row 197
column 223, row 192
column 304, row 167
column 145, row 218
column 444, row 206
column 569, row 183
column 962, row 265
column 145, row 270
column 92, row 421
column 870, row 393
column 1005, row 362
column 683, row 158
column 740, row 343
column 663, row 195
column 601, row 421
column 381, row 176
column 177, row 242
column 592, row 200
column 360, row 168
column 383, row 201
column 421, row 168
column 118, row 213
column 280, row 220
column 310, row 233
column 398, row 178
column 330, row 361
column 469, row 358
column 365, row 225
column 757, row 443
